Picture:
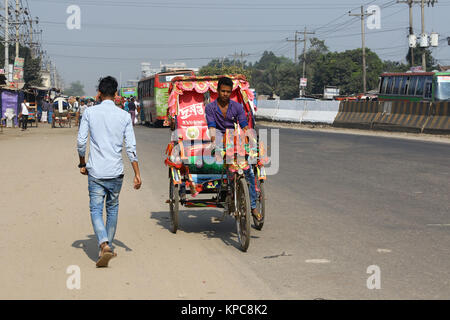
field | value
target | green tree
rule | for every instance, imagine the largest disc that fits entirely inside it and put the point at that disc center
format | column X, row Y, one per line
column 429, row 60
column 213, row 68
column 394, row 66
column 276, row 75
column 313, row 55
column 343, row 69
column 75, row 89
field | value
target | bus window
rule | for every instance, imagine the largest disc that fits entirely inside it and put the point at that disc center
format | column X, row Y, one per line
column 428, row 90
column 383, row 85
column 403, row 85
column 389, row 85
column 152, row 87
column 420, row 86
column 407, row 82
column 443, row 88
column 396, row 88
column 412, row 86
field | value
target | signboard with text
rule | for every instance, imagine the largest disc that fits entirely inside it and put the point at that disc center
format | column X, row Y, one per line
column 303, row 82
column 18, row 62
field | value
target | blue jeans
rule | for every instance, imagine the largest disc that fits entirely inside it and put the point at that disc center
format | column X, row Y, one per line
column 98, row 190
column 250, row 177
column 50, row 114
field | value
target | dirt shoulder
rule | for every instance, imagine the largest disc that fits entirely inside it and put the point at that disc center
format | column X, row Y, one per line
column 46, row 229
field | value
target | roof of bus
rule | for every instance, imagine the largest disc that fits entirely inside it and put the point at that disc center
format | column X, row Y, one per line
column 391, row 74
column 166, row 73
column 443, row 73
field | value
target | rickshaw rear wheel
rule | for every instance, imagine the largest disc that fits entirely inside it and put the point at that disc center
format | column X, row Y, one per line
column 174, row 205
column 261, row 205
column 243, row 214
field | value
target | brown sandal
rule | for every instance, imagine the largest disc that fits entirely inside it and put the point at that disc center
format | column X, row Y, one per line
column 105, row 255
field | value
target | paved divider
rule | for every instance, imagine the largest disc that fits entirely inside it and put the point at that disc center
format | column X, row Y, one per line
column 320, row 111
column 357, row 114
column 298, row 111
column 403, row 116
column 439, row 120
column 267, row 109
column 385, row 115
column 290, row 110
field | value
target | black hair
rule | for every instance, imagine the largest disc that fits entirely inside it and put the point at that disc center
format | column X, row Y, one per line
column 107, row 86
column 225, row 81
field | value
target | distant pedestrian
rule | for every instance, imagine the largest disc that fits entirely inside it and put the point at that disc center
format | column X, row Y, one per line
column 76, row 105
column 138, row 111
column 46, row 106
column 50, row 111
column 24, row 114
column 83, row 107
column 132, row 110
column 107, row 126
column 125, row 106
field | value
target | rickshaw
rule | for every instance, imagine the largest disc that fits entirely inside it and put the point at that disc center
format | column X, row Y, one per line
column 61, row 113
column 195, row 168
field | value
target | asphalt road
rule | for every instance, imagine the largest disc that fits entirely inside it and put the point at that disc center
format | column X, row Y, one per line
column 339, row 204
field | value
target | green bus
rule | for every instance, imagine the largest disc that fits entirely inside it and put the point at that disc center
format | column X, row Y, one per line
column 415, row 86
column 128, row 92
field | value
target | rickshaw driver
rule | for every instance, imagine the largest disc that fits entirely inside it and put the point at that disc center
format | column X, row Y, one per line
column 222, row 114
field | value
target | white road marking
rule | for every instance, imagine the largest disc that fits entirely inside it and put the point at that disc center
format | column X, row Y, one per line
column 384, row 251
column 317, row 261
column 439, row 225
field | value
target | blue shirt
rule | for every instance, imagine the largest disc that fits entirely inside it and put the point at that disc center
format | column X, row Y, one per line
column 108, row 126
column 235, row 114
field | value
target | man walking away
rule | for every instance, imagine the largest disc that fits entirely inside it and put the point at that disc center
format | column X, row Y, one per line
column 24, row 115
column 132, row 110
column 108, row 126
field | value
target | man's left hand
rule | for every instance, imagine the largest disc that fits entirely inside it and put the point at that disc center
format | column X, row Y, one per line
column 83, row 171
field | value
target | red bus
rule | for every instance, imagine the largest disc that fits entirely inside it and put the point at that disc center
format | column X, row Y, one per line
column 153, row 94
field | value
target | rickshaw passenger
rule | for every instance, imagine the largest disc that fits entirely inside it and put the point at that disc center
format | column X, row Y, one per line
column 222, row 114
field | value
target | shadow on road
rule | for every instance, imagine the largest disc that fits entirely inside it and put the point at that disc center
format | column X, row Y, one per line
column 91, row 249
column 204, row 222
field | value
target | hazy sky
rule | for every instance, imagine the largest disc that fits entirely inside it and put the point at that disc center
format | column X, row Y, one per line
column 116, row 36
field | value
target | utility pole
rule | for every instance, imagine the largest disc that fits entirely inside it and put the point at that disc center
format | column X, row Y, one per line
column 31, row 38
column 424, row 62
column 305, row 33
column 6, row 40
column 363, row 16
column 17, row 28
column 295, row 45
column 411, row 30
column 240, row 56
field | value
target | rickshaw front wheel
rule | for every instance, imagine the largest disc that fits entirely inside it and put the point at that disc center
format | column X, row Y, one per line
column 174, row 204
column 243, row 214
